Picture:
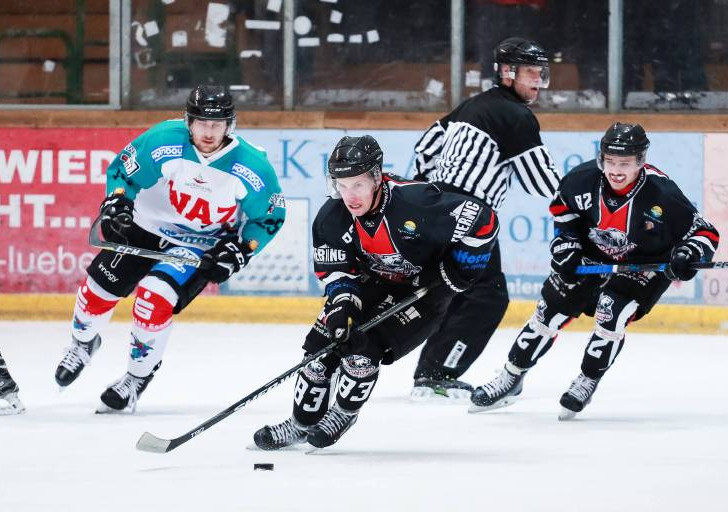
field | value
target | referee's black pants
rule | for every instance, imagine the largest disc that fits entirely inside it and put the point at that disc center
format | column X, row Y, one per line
column 469, row 323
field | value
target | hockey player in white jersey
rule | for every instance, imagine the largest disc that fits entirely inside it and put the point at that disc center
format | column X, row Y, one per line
column 188, row 187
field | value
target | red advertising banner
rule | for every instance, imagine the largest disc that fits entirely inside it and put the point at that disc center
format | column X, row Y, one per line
column 51, row 184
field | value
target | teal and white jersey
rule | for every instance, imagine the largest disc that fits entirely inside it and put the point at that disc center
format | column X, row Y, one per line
column 188, row 199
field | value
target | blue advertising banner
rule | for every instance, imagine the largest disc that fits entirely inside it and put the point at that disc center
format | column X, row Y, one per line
column 300, row 156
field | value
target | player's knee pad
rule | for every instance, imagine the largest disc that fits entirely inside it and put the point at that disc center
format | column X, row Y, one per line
column 94, row 300
column 356, row 381
column 152, row 314
column 154, row 304
column 614, row 312
column 311, row 395
column 92, row 311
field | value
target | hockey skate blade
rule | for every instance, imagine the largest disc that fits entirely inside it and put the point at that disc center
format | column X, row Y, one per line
column 152, row 444
column 105, row 409
column 566, row 414
column 505, row 402
column 425, row 394
column 14, row 405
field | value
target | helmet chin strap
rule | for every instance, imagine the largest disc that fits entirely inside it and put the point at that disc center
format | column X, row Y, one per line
column 376, row 198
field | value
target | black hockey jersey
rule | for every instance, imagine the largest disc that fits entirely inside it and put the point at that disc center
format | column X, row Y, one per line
column 641, row 226
column 415, row 229
column 480, row 146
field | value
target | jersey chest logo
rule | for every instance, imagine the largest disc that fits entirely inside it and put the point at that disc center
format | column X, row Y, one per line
column 382, row 256
column 198, row 208
column 610, row 235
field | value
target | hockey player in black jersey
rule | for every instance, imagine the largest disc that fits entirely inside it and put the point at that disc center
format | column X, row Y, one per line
column 477, row 150
column 375, row 241
column 615, row 209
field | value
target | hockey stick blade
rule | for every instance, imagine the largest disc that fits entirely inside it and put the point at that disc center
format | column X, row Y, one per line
column 153, row 444
column 643, row 267
column 95, row 240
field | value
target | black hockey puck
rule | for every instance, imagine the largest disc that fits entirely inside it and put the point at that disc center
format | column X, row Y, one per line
column 263, row 467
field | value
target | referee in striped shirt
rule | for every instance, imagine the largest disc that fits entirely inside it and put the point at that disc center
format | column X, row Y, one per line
column 478, row 149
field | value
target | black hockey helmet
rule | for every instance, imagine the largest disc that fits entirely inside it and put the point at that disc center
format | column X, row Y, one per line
column 519, row 51
column 211, row 102
column 516, row 50
column 623, row 139
column 354, row 156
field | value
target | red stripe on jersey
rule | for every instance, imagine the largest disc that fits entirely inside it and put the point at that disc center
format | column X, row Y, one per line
column 488, row 229
column 558, row 209
column 708, row 234
column 617, row 220
column 380, row 243
column 321, row 275
column 654, row 170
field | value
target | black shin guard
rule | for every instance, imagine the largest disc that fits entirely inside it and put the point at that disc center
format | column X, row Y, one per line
column 537, row 336
column 311, row 398
column 356, row 381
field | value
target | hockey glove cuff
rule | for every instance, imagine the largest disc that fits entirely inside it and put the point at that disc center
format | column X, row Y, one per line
column 679, row 267
column 566, row 255
column 229, row 256
column 117, row 215
column 340, row 314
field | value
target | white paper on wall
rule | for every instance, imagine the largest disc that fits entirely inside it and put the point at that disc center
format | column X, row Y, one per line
column 215, row 29
column 179, row 38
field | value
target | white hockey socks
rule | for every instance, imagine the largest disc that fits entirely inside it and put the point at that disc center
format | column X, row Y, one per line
column 93, row 310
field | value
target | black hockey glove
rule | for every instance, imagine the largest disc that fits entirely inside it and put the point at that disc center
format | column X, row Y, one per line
column 340, row 314
column 679, row 267
column 566, row 255
column 117, row 215
column 229, row 255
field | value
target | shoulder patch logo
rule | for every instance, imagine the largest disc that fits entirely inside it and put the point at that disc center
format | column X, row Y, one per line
column 249, row 176
column 162, row 152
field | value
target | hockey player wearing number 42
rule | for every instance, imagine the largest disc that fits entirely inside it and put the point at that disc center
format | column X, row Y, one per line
column 376, row 239
column 187, row 187
column 615, row 209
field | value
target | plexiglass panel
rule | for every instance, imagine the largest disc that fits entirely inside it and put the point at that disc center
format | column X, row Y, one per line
column 373, row 55
column 676, row 54
column 54, row 52
column 177, row 44
column 574, row 34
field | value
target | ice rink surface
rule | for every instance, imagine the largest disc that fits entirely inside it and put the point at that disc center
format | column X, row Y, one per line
column 654, row 438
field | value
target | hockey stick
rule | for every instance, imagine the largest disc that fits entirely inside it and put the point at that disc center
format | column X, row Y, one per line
column 643, row 267
column 151, row 443
column 95, row 241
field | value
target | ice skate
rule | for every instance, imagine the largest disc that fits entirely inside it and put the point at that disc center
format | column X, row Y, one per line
column 426, row 389
column 577, row 397
column 75, row 359
column 280, row 435
column 332, row 426
column 123, row 395
column 500, row 392
column 9, row 401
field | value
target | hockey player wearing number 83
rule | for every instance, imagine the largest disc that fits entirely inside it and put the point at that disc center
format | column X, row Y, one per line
column 615, row 209
column 375, row 240
column 188, row 187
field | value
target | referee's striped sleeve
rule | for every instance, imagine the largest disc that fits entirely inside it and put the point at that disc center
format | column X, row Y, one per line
column 427, row 149
column 536, row 172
